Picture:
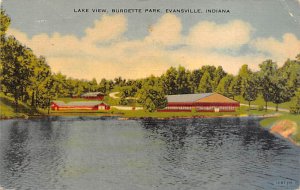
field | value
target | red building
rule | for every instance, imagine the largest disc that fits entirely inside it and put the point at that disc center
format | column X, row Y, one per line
column 93, row 95
column 205, row 102
column 79, row 105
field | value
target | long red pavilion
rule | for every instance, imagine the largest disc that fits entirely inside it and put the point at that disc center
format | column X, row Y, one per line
column 204, row 102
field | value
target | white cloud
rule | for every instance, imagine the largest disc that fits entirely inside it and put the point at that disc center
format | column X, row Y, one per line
column 106, row 29
column 211, row 35
column 289, row 47
column 166, row 31
column 104, row 52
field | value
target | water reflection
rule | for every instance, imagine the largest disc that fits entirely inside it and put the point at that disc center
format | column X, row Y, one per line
column 221, row 150
column 28, row 149
column 15, row 152
column 92, row 152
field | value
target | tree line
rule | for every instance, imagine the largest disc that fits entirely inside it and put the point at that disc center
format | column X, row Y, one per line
column 28, row 78
column 274, row 84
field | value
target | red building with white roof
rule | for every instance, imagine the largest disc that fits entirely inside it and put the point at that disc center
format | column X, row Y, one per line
column 79, row 105
column 93, row 95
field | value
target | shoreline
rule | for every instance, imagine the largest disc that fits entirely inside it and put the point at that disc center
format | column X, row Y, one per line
column 274, row 117
column 196, row 117
column 286, row 127
column 126, row 117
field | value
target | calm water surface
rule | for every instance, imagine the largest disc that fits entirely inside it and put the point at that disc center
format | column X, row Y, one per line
column 106, row 153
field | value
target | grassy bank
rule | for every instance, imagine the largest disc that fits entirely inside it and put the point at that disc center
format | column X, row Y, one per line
column 7, row 109
column 271, row 122
column 141, row 113
column 242, row 111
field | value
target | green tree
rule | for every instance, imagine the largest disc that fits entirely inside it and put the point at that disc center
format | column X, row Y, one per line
column 296, row 106
column 291, row 71
column 281, row 91
column 129, row 91
column 47, row 93
column 236, row 86
column 210, row 69
column 224, row 85
column 183, row 81
column 123, row 100
column 4, row 22
column 72, row 87
column 205, row 83
column 93, row 85
column 244, row 74
column 152, row 95
column 17, row 68
column 104, row 86
column 195, row 79
column 250, row 91
column 41, row 72
column 169, row 81
column 266, row 75
column 119, row 81
column 78, row 87
column 60, row 85
column 244, row 71
column 110, row 85
column 219, row 73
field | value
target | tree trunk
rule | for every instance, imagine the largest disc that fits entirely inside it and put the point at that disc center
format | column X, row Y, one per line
column 266, row 106
column 32, row 102
column 36, row 100
column 16, row 96
column 249, row 104
column 16, row 105
column 48, row 106
column 23, row 95
column 32, row 99
column 276, row 107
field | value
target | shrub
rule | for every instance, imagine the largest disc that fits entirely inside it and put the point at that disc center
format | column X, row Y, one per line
column 260, row 108
column 295, row 109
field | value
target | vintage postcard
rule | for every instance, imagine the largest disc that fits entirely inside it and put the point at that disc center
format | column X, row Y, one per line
column 149, row 94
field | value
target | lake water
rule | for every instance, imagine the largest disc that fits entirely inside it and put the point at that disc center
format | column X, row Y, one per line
column 87, row 153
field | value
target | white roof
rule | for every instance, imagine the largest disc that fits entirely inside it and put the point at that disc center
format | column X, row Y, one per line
column 187, row 97
column 89, row 94
column 79, row 103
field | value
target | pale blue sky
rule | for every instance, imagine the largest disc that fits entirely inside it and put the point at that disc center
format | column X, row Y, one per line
column 137, row 45
column 268, row 17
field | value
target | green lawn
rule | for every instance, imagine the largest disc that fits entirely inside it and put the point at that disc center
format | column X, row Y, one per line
column 269, row 122
column 7, row 111
column 132, row 102
column 115, row 102
column 7, row 108
column 111, row 101
column 242, row 111
column 260, row 102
